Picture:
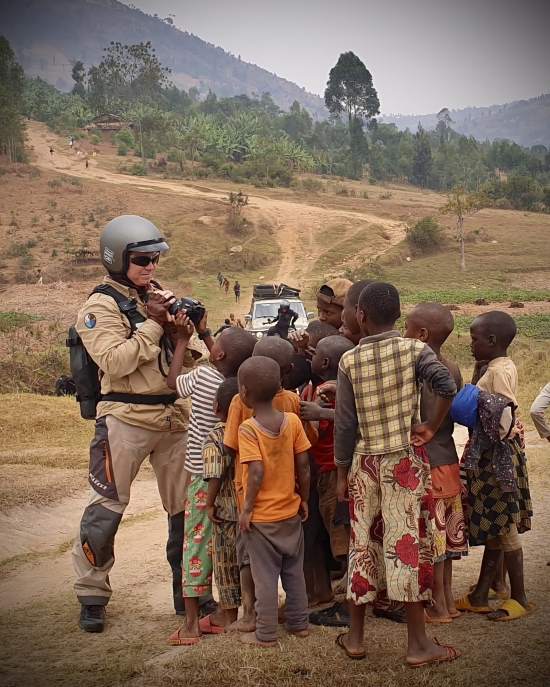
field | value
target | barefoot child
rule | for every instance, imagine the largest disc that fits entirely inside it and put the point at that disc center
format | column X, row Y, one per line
column 227, row 352
column 273, row 452
column 281, row 352
column 221, row 504
column 391, row 504
column 432, row 323
column 496, row 469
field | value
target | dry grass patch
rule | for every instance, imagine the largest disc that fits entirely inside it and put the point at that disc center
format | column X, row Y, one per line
column 43, row 430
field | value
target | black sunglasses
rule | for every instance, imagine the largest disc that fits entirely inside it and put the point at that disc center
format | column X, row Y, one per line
column 144, row 260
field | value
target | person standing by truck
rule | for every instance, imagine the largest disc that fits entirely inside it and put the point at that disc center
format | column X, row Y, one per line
column 122, row 327
column 286, row 318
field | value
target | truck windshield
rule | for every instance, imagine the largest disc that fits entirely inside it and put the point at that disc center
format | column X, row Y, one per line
column 270, row 309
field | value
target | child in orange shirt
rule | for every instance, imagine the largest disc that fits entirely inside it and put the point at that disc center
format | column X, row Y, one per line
column 281, row 352
column 273, row 452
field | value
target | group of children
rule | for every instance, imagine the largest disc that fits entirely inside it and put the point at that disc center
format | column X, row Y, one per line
column 349, row 426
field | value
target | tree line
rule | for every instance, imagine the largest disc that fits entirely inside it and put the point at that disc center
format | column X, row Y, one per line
column 251, row 139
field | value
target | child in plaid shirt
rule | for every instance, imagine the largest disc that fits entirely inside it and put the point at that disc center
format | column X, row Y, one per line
column 390, row 499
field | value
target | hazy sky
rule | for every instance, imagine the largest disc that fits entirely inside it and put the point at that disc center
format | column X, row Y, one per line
column 423, row 54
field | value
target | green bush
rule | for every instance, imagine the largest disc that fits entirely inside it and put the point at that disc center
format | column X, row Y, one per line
column 137, row 169
column 312, row 185
column 95, row 139
column 17, row 250
column 125, row 137
column 425, row 236
column 122, row 149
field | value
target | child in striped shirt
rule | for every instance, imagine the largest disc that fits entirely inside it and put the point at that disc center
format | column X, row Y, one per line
column 231, row 348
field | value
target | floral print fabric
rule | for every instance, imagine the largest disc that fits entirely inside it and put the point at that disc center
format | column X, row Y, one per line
column 197, row 541
column 391, row 513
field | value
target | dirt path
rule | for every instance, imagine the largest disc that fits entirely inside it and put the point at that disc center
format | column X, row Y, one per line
column 296, row 223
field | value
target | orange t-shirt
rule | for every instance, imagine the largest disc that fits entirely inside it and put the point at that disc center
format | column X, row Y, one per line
column 285, row 401
column 277, row 499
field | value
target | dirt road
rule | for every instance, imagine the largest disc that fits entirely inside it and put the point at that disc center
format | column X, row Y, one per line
column 297, row 224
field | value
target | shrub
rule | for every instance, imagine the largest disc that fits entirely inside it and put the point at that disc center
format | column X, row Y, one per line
column 386, row 195
column 17, row 250
column 312, row 185
column 125, row 138
column 95, row 139
column 503, row 204
column 122, row 149
column 54, row 184
column 137, row 169
column 425, row 236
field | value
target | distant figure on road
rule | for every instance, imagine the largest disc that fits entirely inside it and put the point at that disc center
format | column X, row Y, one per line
column 237, row 290
column 51, row 151
column 226, row 285
column 235, row 323
column 220, row 279
column 87, row 163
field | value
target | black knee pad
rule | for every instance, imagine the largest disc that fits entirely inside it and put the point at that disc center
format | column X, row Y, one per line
column 97, row 534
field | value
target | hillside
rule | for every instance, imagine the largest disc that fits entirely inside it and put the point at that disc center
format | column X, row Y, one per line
column 49, row 35
column 526, row 122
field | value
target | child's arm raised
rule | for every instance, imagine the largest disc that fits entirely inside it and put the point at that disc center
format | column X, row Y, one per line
column 254, row 484
column 184, row 331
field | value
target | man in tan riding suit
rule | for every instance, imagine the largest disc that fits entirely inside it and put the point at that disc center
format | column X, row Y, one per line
column 138, row 415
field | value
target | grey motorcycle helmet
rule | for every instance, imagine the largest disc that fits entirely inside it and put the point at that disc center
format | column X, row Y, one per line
column 128, row 233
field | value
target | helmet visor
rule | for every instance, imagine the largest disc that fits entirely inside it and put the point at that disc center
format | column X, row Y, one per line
column 155, row 246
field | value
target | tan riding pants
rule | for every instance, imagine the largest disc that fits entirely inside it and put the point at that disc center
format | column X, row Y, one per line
column 116, row 454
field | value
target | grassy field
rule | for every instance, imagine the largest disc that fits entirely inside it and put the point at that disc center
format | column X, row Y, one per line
column 45, row 218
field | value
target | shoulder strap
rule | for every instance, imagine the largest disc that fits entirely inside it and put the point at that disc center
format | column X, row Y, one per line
column 127, row 306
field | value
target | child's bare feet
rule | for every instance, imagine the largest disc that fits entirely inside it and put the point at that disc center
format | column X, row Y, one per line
column 244, row 624
column 251, row 639
column 298, row 633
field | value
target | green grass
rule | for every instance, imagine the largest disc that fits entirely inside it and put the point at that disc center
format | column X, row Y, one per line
column 13, row 320
column 468, row 295
column 532, row 326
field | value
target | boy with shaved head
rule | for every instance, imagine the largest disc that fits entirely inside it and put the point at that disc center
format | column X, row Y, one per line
column 432, row 323
column 273, row 452
column 281, row 352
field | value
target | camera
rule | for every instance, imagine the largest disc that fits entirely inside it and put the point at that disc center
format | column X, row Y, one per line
column 193, row 309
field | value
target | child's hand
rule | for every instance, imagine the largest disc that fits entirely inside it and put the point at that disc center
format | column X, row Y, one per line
column 299, row 340
column 310, row 412
column 421, row 434
column 304, row 510
column 211, row 511
column 342, row 488
column 203, row 324
column 244, row 520
column 184, row 326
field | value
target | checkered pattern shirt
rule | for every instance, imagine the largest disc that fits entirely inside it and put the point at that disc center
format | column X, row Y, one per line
column 377, row 398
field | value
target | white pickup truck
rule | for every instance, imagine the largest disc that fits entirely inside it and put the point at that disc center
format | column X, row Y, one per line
column 264, row 307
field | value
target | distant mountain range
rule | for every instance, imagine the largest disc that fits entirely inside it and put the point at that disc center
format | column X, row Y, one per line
column 526, row 122
column 48, row 36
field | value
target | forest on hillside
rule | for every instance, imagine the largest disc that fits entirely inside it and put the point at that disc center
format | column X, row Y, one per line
column 172, row 131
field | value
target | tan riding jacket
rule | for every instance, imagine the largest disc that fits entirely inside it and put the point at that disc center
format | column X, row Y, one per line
column 131, row 365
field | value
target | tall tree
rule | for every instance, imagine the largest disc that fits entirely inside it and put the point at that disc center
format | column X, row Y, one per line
column 443, row 127
column 126, row 74
column 350, row 89
column 11, row 103
column 422, row 165
column 78, row 74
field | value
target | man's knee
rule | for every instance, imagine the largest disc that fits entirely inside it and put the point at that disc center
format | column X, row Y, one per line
column 97, row 534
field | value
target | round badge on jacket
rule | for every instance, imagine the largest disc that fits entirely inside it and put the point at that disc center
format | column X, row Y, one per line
column 90, row 320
